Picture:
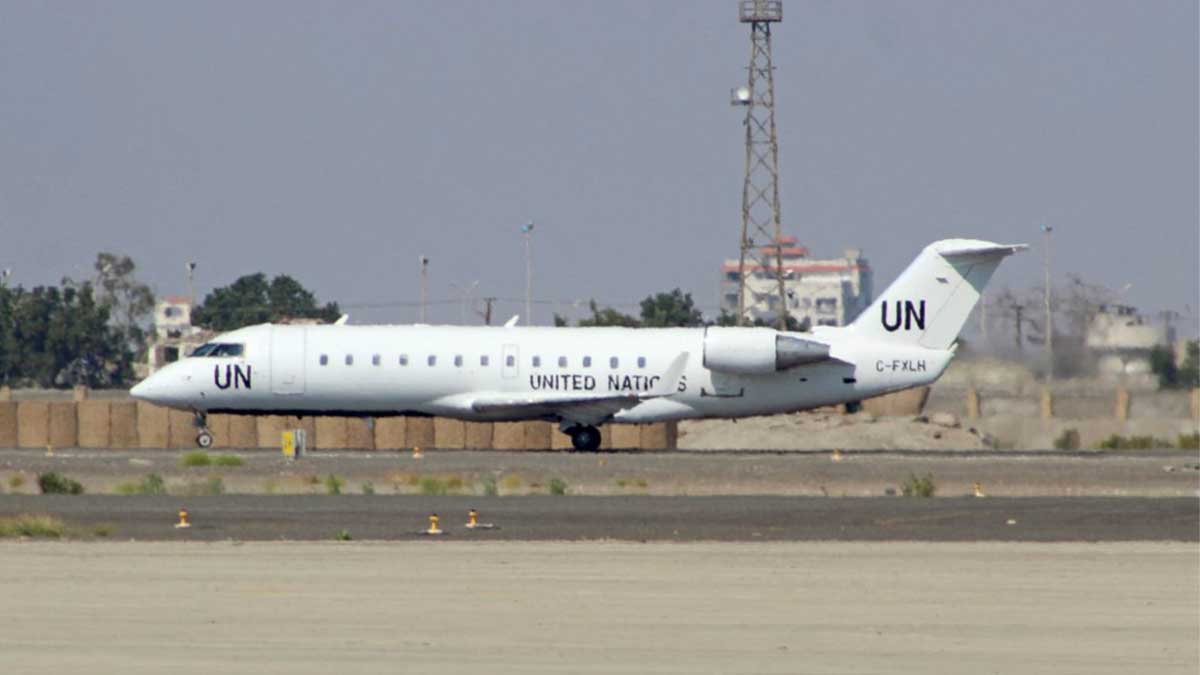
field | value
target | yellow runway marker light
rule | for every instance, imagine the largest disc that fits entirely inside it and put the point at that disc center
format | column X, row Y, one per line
column 433, row 525
column 184, row 521
column 978, row 491
column 837, row 456
column 472, row 519
column 417, row 454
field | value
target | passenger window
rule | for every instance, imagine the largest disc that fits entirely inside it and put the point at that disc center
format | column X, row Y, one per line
column 613, row 362
column 458, row 360
column 349, row 359
column 641, row 362
column 324, row 359
column 562, row 362
column 510, row 360
column 483, row 360
column 375, row 360
column 587, row 362
column 404, row 359
column 537, row 362
column 432, row 360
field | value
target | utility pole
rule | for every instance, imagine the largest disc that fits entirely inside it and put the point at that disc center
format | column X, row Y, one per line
column 424, row 261
column 1049, row 316
column 762, row 237
column 487, row 311
column 527, row 231
column 1019, row 310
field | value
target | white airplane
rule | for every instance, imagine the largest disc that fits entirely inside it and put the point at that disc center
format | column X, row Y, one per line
column 582, row 378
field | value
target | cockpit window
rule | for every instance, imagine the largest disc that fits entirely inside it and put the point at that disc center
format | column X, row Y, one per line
column 216, row 349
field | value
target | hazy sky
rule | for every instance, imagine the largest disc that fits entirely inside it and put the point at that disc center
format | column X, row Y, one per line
column 337, row 141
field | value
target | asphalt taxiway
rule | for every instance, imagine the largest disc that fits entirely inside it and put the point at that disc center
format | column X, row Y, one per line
column 630, row 518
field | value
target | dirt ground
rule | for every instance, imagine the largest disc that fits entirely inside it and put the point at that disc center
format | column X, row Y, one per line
column 599, row 607
column 825, row 431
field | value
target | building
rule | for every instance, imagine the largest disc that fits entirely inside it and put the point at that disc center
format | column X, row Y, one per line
column 1122, row 340
column 821, row 292
column 174, row 335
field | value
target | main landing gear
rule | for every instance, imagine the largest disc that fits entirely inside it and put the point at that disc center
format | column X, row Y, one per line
column 204, row 437
column 585, row 438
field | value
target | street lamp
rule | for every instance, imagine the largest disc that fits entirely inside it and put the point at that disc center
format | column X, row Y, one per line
column 1046, row 229
column 527, row 232
column 424, row 262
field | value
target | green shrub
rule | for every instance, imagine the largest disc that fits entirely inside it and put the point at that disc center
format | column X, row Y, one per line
column 454, row 484
column 194, row 459
column 333, row 485
column 558, row 486
column 343, row 535
column 34, row 525
column 918, row 486
column 16, row 480
column 103, row 530
column 54, row 483
column 228, row 460
column 368, row 488
column 1189, row 441
column 1067, row 440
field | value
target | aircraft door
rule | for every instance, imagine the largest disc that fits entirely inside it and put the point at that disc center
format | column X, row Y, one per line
column 287, row 359
column 510, row 367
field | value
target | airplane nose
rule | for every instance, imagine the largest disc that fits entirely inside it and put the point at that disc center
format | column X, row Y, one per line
column 142, row 389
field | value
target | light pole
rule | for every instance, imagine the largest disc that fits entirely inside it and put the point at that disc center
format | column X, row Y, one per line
column 465, row 294
column 1046, row 229
column 424, row 261
column 191, row 278
column 527, row 232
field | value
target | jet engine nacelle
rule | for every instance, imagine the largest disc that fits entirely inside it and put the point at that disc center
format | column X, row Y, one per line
column 757, row 351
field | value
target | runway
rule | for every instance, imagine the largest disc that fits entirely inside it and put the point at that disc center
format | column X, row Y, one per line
column 629, row 518
column 599, row 607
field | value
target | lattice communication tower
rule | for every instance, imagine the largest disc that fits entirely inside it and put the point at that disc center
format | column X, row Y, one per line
column 762, row 244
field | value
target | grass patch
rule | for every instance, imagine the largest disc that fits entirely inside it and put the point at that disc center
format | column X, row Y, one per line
column 203, row 488
column 54, row 483
column 433, row 486
column 1186, row 441
column 16, row 480
column 151, row 484
column 333, row 485
column 558, row 486
column 228, row 460
column 454, row 484
column 1115, row 442
column 32, row 525
column 488, row 483
column 195, row 459
column 368, row 488
column 343, row 535
column 270, row 486
column 918, row 486
column 511, row 482
column 640, row 483
column 103, row 530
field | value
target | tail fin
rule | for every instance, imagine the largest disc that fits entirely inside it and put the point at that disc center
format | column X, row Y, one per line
column 930, row 301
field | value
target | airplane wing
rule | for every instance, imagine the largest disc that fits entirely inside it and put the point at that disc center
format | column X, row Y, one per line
column 585, row 408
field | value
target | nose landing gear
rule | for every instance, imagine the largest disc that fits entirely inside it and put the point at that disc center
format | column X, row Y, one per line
column 204, row 437
column 586, row 438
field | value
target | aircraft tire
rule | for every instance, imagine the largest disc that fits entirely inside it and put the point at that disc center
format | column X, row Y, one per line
column 204, row 439
column 586, row 439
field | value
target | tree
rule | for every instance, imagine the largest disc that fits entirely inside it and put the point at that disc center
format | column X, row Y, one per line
column 665, row 310
column 1170, row 376
column 608, row 317
column 130, row 302
column 251, row 299
column 60, row 337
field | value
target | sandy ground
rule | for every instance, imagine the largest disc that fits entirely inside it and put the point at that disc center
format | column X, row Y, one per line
column 599, row 607
column 823, row 431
